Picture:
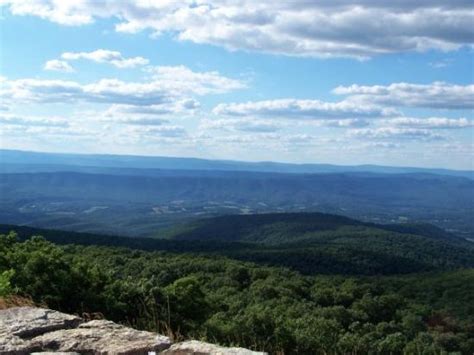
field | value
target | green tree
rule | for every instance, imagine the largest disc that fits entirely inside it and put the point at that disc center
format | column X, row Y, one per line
column 6, row 288
column 188, row 306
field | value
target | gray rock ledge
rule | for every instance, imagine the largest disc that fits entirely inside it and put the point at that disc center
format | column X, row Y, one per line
column 31, row 330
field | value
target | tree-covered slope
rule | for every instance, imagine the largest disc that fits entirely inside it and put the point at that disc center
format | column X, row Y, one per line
column 279, row 228
column 322, row 243
column 236, row 303
column 309, row 243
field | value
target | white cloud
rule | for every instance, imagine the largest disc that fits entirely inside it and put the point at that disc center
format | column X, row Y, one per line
column 440, row 64
column 58, row 65
column 163, row 88
column 107, row 56
column 264, row 140
column 347, row 123
column 383, row 145
column 140, row 121
column 303, row 109
column 435, row 95
column 201, row 83
column 399, row 129
column 168, row 131
column 433, row 122
column 325, row 28
column 183, row 107
column 397, row 133
column 32, row 121
column 241, row 125
column 71, row 13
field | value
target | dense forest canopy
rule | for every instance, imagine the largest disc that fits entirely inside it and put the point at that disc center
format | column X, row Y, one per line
column 241, row 303
column 311, row 243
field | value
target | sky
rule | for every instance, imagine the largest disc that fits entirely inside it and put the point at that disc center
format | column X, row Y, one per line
column 341, row 82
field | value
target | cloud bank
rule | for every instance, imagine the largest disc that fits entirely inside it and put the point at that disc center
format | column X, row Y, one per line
column 166, row 86
column 303, row 109
column 326, row 28
column 435, row 95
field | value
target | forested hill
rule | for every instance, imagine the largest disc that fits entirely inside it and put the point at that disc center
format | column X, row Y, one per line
column 197, row 286
column 312, row 243
column 278, row 228
column 244, row 304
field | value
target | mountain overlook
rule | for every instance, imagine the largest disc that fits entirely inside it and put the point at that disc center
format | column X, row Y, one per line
column 288, row 177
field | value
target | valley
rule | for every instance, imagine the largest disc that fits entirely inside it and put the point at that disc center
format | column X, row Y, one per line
column 139, row 205
column 370, row 261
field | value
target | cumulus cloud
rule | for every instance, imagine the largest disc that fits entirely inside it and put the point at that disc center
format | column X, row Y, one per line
column 184, row 106
column 242, row 125
column 161, row 89
column 435, row 95
column 168, row 131
column 347, row 123
column 72, row 14
column 106, row 56
column 31, row 121
column 433, row 122
column 327, row 28
column 140, row 121
column 58, row 65
column 397, row 133
column 303, row 109
column 264, row 140
column 201, row 83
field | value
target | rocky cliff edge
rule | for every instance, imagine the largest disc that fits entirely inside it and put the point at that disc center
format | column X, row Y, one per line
column 32, row 330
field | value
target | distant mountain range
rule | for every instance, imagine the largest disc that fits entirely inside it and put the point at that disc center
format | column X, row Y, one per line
column 141, row 196
column 21, row 161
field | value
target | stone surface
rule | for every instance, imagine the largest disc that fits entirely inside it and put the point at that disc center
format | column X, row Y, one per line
column 200, row 348
column 27, row 322
column 102, row 337
column 29, row 330
column 13, row 345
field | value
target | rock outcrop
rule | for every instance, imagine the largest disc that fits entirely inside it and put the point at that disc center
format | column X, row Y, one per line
column 31, row 330
column 199, row 347
column 28, row 322
column 103, row 337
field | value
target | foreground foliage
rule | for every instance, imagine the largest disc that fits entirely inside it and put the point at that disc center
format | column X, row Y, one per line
column 237, row 303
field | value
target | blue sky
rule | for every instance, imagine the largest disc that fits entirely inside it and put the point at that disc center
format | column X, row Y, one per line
column 339, row 82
